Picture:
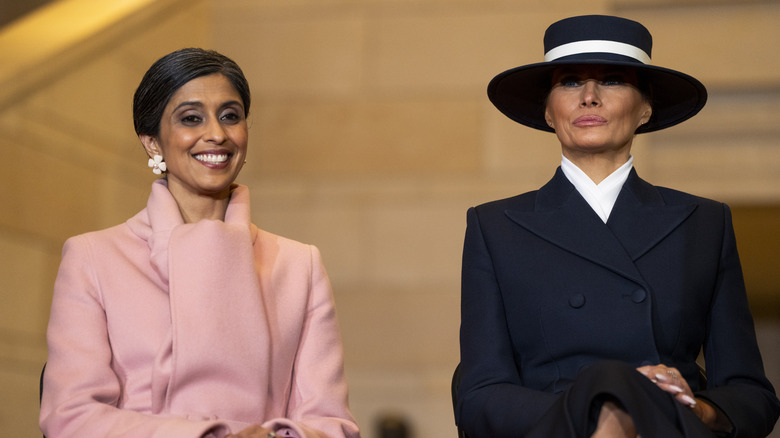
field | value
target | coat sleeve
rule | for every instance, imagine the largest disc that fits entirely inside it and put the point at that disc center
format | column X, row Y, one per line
column 81, row 391
column 492, row 399
column 318, row 404
column 735, row 372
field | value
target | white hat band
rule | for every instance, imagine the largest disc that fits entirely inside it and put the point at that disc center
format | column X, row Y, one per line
column 597, row 46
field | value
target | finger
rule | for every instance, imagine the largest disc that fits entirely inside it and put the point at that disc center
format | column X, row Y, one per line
column 667, row 375
column 676, row 386
column 687, row 400
column 674, row 389
column 647, row 371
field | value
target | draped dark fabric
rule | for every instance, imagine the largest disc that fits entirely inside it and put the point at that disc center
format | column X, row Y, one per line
column 655, row 412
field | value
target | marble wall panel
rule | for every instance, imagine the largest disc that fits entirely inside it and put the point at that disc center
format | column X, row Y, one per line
column 723, row 44
column 26, row 269
column 379, row 137
column 292, row 55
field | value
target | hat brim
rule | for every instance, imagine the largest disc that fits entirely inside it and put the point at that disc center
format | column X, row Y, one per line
column 520, row 93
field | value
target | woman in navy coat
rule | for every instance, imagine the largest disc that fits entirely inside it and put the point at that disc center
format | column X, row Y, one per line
column 586, row 303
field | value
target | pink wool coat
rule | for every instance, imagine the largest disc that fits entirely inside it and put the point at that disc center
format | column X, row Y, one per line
column 164, row 329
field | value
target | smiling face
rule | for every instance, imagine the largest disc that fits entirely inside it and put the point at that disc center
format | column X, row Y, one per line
column 202, row 138
column 595, row 109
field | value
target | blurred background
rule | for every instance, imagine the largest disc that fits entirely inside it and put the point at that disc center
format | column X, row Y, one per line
column 370, row 136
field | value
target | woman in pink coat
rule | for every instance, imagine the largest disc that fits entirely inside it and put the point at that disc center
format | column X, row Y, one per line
column 187, row 320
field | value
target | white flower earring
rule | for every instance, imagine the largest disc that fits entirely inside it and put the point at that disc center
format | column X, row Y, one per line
column 157, row 164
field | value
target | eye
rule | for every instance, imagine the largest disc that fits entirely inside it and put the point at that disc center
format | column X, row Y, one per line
column 613, row 80
column 570, row 81
column 190, row 119
column 231, row 116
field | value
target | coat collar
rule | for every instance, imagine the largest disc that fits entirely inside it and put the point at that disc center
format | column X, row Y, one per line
column 640, row 219
column 161, row 217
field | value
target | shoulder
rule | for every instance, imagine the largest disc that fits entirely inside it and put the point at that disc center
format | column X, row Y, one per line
column 650, row 195
column 522, row 202
column 290, row 267
column 705, row 215
column 496, row 210
column 89, row 257
column 264, row 237
column 677, row 197
column 101, row 240
column 268, row 244
column 551, row 195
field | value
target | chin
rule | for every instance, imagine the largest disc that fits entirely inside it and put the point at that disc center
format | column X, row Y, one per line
column 216, row 189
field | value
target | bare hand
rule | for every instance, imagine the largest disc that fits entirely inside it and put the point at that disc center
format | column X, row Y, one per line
column 670, row 380
column 253, row 432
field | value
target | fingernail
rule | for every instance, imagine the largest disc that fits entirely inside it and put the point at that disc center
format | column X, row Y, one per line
column 676, row 388
column 688, row 399
column 661, row 377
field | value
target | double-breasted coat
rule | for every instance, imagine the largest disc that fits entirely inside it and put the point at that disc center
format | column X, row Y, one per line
column 548, row 288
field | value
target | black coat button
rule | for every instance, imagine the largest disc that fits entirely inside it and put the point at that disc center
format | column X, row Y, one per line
column 577, row 300
column 639, row 296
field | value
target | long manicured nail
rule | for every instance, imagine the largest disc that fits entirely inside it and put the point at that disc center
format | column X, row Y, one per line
column 676, row 388
column 688, row 399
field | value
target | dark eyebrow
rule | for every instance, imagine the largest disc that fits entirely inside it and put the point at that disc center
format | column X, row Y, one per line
column 231, row 103
column 200, row 104
column 188, row 103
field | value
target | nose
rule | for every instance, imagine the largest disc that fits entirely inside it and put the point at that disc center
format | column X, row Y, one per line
column 215, row 132
column 590, row 94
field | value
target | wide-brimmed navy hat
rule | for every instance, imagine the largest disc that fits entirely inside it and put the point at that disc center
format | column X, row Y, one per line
column 520, row 93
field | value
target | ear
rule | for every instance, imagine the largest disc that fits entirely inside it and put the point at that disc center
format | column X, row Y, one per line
column 648, row 112
column 548, row 117
column 150, row 144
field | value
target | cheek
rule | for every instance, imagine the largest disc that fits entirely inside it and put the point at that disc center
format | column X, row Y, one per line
column 636, row 115
column 239, row 136
column 560, row 106
column 636, row 105
column 552, row 112
column 178, row 138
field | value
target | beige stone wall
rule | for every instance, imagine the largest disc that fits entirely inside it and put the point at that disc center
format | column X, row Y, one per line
column 370, row 136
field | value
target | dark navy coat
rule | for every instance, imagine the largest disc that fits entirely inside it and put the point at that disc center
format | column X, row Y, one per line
column 548, row 288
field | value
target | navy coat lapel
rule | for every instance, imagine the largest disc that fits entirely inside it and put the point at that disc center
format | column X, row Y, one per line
column 563, row 217
column 641, row 218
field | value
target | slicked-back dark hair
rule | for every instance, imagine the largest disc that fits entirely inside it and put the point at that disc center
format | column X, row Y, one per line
column 170, row 73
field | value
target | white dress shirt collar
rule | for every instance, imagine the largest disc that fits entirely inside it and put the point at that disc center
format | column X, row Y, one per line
column 602, row 196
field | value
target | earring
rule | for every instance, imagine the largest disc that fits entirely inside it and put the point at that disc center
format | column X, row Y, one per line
column 157, row 164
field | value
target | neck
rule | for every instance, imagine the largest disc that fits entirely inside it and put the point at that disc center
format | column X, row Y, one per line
column 598, row 166
column 196, row 207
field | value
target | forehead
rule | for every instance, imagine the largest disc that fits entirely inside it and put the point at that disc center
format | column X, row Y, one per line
column 212, row 87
